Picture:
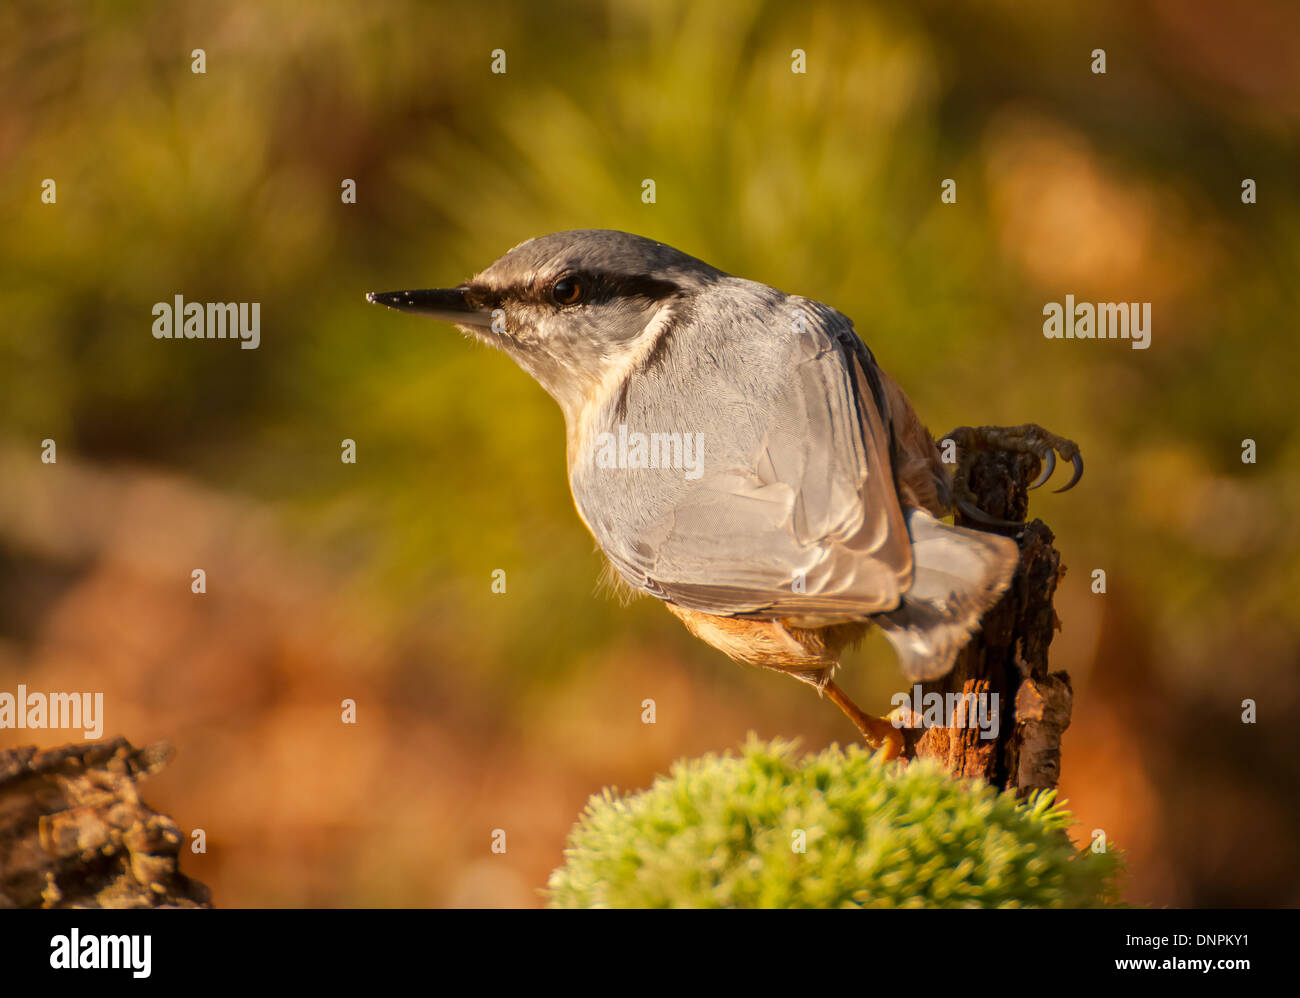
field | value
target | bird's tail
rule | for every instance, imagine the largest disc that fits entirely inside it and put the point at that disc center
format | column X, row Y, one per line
column 958, row 574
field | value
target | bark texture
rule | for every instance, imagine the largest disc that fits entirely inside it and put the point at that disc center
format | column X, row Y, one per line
column 1008, row 656
column 74, row 832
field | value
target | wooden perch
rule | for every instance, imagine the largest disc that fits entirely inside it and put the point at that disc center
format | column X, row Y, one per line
column 1008, row 655
column 75, row 834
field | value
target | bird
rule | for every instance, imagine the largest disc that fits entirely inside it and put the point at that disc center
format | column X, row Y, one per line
column 738, row 454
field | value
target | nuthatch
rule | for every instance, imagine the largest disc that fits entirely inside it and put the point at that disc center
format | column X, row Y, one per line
column 737, row 453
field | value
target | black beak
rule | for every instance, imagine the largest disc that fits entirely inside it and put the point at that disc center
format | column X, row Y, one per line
column 447, row 304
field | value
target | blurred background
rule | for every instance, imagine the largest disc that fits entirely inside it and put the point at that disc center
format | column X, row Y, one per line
column 372, row 581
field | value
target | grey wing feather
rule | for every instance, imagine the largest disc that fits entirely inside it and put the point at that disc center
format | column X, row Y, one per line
column 796, row 511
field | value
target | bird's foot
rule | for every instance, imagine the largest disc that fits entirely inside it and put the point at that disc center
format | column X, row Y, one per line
column 1030, row 438
column 877, row 732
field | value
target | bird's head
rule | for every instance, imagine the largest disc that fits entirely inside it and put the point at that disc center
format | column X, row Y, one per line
column 572, row 308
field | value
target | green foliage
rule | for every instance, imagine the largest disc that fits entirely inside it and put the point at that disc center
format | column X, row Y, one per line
column 721, row 831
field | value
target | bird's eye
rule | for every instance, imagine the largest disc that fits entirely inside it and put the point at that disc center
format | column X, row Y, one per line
column 567, row 291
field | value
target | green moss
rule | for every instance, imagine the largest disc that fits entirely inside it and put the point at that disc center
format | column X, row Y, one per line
column 723, row 832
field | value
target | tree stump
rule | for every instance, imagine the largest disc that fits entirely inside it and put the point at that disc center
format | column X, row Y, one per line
column 1007, row 656
column 75, row 834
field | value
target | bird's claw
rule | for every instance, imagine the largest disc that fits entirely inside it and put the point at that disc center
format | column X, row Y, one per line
column 1049, row 465
column 1026, row 439
column 1077, row 461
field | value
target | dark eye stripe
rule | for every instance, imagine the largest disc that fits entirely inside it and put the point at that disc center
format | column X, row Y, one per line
column 479, row 297
column 598, row 287
column 641, row 286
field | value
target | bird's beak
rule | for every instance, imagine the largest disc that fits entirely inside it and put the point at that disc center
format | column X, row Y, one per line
column 447, row 304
